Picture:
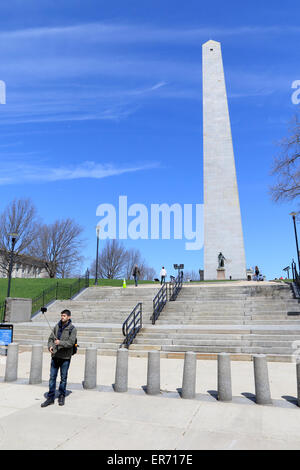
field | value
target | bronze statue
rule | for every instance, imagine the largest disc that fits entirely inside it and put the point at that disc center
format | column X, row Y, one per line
column 221, row 259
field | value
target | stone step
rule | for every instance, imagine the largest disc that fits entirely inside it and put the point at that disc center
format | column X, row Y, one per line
column 217, row 337
column 214, row 349
column 213, row 342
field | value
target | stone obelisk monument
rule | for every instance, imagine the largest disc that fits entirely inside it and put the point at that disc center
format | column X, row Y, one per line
column 223, row 232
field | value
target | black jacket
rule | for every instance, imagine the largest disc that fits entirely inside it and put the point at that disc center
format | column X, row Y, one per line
column 67, row 340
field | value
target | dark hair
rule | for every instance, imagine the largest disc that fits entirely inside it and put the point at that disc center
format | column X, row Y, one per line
column 67, row 312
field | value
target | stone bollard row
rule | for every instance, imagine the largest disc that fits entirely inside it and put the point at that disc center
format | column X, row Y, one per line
column 188, row 391
column 11, row 368
column 224, row 377
column 90, row 369
column 36, row 366
column 121, row 377
column 298, row 382
column 189, row 375
column 153, row 373
column 261, row 380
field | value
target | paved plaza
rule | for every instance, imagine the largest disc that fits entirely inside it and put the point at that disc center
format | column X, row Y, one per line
column 104, row 419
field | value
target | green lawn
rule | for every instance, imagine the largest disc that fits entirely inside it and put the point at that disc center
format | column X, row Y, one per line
column 30, row 288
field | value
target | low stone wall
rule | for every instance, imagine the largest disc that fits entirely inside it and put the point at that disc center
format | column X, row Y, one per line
column 18, row 310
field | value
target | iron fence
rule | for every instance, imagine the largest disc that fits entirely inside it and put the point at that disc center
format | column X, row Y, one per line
column 2, row 311
column 59, row 292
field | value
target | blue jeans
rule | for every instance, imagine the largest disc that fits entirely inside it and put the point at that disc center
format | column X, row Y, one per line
column 136, row 280
column 63, row 365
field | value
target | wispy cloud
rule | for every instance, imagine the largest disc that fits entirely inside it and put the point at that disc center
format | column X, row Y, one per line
column 18, row 172
column 113, row 33
column 83, row 72
column 78, row 104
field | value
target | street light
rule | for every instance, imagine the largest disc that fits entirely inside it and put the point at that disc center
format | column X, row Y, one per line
column 293, row 214
column 178, row 267
column 287, row 270
column 97, row 254
column 14, row 237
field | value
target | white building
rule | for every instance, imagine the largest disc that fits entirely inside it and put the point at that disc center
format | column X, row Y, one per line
column 25, row 267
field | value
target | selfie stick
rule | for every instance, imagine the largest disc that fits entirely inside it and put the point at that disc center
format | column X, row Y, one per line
column 44, row 310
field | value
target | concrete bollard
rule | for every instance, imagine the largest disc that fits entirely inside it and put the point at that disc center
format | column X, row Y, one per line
column 121, row 377
column 90, row 369
column 153, row 373
column 11, row 369
column 298, row 382
column 261, row 378
column 189, row 375
column 36, row 366
column 224, row 377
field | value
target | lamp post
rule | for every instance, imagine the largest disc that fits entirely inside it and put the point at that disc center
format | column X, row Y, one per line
column 14, row 237
column 293, row 214
column 179, row 267
column 97, row 254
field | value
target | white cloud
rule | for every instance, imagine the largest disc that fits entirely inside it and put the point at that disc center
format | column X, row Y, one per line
column 17, row 172
column 130, row 33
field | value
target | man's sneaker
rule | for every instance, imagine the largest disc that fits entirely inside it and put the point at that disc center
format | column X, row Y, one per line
column 61, row 400
column 48, row 402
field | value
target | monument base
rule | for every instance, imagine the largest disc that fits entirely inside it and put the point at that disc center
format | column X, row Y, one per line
column 220, row 273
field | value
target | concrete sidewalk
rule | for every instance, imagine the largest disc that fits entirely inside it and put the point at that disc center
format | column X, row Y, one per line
column 103, row 419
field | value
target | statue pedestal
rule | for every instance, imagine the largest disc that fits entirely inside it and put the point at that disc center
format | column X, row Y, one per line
column 220, row 273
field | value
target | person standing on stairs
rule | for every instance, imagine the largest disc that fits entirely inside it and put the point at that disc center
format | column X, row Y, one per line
column 136, row 273
column 163, row 274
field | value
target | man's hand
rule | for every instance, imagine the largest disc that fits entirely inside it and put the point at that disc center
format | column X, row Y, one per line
column 51, row 349
column 57, row 342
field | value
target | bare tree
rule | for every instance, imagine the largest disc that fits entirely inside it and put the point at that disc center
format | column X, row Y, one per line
column 59, row 247
column 116, row 262
column 190, row 276
column 112, row 260
column 134, row 257
column 148, row 273
column 286, row 166
column 19, row 217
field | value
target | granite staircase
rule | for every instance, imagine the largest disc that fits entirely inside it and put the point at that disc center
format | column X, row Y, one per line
column 240, row 319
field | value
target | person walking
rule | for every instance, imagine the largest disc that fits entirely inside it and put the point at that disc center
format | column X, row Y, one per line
column 60, row 344
column 256, row 273
column 136, row 273
column 163, row 274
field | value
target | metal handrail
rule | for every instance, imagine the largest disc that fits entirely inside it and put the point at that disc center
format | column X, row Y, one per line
column 175, row 287
column 132, row 324
column 296, row 280
column 159, row 302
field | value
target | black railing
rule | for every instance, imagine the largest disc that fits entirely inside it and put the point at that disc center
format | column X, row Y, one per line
column 296, row 280
column 59, row 292
column 159, row 302
column 175, row 287
column 132, row 325
column 2, row 311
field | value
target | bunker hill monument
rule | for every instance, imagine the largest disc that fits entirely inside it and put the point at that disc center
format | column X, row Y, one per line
column 223, row 232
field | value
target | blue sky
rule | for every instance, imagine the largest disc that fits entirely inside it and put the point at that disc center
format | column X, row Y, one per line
column 104, row 99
